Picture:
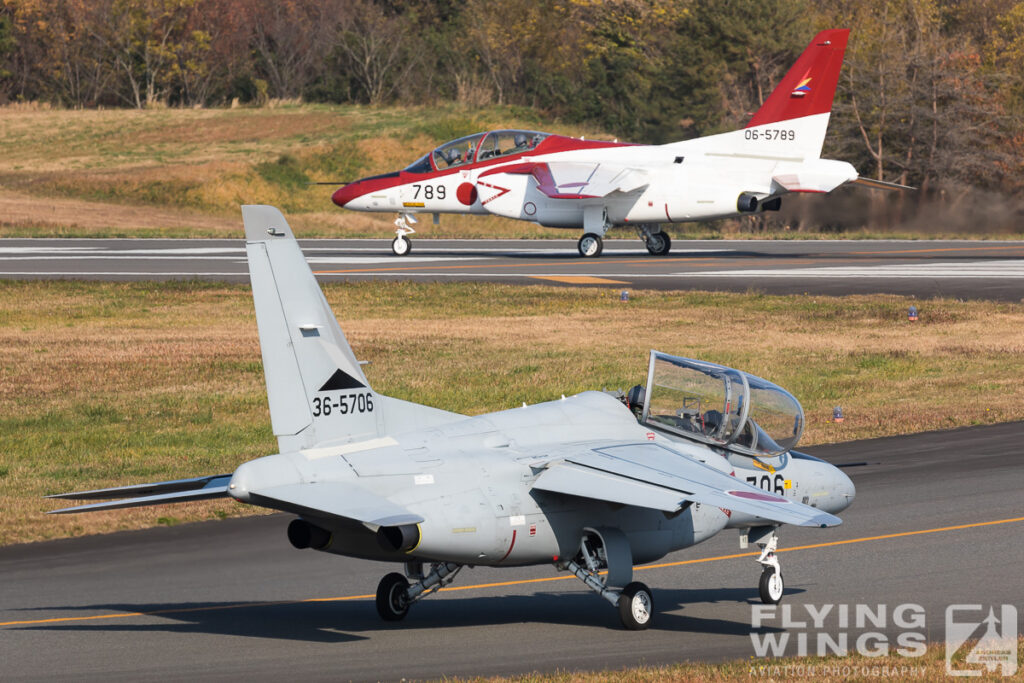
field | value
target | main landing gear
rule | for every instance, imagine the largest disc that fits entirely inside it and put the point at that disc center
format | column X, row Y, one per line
column 605, row 548
column 771, row 584
column 657, row 242
column 395, row 594
column 401, row 245
column 590, row 245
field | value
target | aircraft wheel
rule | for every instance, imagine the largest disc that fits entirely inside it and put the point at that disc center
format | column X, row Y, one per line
column 590, row 245
column 636, row 606
column 391, row 602
column 658, row 243
column 771, row 586
column 401, row 246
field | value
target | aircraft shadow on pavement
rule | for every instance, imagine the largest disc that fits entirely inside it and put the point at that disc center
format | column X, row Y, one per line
column 339, row 622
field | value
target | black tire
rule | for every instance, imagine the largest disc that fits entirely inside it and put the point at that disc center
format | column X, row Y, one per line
column 401, row 246
column 391, row 604
column 771, row 591
column 590, row 245
column 636, row 606
column 658, row 243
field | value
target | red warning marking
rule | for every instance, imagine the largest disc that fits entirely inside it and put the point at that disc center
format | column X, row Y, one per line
column 510, row 546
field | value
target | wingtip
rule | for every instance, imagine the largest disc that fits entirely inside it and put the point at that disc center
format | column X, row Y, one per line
column 263, row 223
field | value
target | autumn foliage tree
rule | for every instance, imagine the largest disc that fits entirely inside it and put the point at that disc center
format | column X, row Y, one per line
column 932, row 92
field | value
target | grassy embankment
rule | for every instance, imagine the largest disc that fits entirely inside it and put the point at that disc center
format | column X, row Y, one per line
column 183, row 172
column 105, row 384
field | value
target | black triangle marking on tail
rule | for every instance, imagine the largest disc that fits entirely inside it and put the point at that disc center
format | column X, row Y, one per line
column 341, row 380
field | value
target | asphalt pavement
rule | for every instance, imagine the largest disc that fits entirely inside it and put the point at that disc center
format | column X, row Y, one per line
column 938, row 520
column 923, row 269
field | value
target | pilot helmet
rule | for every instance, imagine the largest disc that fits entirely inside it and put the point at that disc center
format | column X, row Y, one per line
column 635, row 399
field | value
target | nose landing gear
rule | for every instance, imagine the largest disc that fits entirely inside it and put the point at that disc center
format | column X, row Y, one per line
column 402, row 246
column 771, row 585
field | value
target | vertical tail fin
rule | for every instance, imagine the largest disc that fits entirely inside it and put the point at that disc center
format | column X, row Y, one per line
column 316, row 389
column 807, row 90
column 809, row 86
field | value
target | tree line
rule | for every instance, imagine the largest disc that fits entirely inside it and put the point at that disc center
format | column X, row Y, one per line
column 932, row 92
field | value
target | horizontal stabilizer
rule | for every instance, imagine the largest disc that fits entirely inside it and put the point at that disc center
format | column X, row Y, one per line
column 141, row 495
column 334, row 499
column 653, row 476
column 146, row 489
column 881, row 184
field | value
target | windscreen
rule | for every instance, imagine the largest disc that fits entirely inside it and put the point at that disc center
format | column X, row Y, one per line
column 720, row 406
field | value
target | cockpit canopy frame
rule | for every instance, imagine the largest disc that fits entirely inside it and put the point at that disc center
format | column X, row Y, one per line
column 478, row 147
column 720, row 406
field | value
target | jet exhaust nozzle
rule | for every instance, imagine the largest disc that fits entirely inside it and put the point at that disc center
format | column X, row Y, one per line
column 747, row 202
column 772, row 204
column 302, row 534
column 399, row 538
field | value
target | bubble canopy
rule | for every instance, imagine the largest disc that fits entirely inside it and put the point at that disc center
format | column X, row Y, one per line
column 720, row 406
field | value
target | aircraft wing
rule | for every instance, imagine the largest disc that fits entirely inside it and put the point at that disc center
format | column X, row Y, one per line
column 576, row 180
column 334, row 499
column 654, row 476
column 176, row 491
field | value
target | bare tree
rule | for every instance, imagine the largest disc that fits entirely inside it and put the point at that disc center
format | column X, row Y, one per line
column 293, row 39
column 375, row 47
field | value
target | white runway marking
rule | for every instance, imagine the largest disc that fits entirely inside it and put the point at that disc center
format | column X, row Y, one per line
column 94, row 252
column 975, row 269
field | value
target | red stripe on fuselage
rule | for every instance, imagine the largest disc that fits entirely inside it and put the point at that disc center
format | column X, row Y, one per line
column 511, row 545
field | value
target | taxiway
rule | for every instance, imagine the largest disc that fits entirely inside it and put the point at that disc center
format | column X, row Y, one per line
column 938, row 520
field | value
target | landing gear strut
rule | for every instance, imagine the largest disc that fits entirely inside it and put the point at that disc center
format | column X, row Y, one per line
column 402, row 246
column 609, row 549
column 395, row 594
column 771, row 584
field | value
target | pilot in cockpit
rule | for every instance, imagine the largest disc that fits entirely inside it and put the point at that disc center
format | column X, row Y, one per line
column 711, row 422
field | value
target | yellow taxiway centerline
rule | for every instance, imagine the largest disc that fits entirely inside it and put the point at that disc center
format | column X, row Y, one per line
column 520, row 582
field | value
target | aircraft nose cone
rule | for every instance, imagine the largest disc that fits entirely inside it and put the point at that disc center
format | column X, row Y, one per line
column 845, row 488
column 346, row 193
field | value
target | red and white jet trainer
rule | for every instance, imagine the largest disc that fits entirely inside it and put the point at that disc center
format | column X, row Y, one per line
column 563, row 182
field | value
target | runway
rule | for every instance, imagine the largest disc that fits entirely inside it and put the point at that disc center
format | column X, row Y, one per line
column 938, row 519
column 960, row 269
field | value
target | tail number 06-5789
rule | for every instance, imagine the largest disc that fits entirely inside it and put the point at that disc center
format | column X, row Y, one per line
column 343, row 404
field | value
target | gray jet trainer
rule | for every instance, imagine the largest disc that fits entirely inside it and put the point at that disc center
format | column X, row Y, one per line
column 592, row 483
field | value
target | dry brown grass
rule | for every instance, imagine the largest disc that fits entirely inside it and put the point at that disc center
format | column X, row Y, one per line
column 183, row 172
column 105, row 384
column 929, row 667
